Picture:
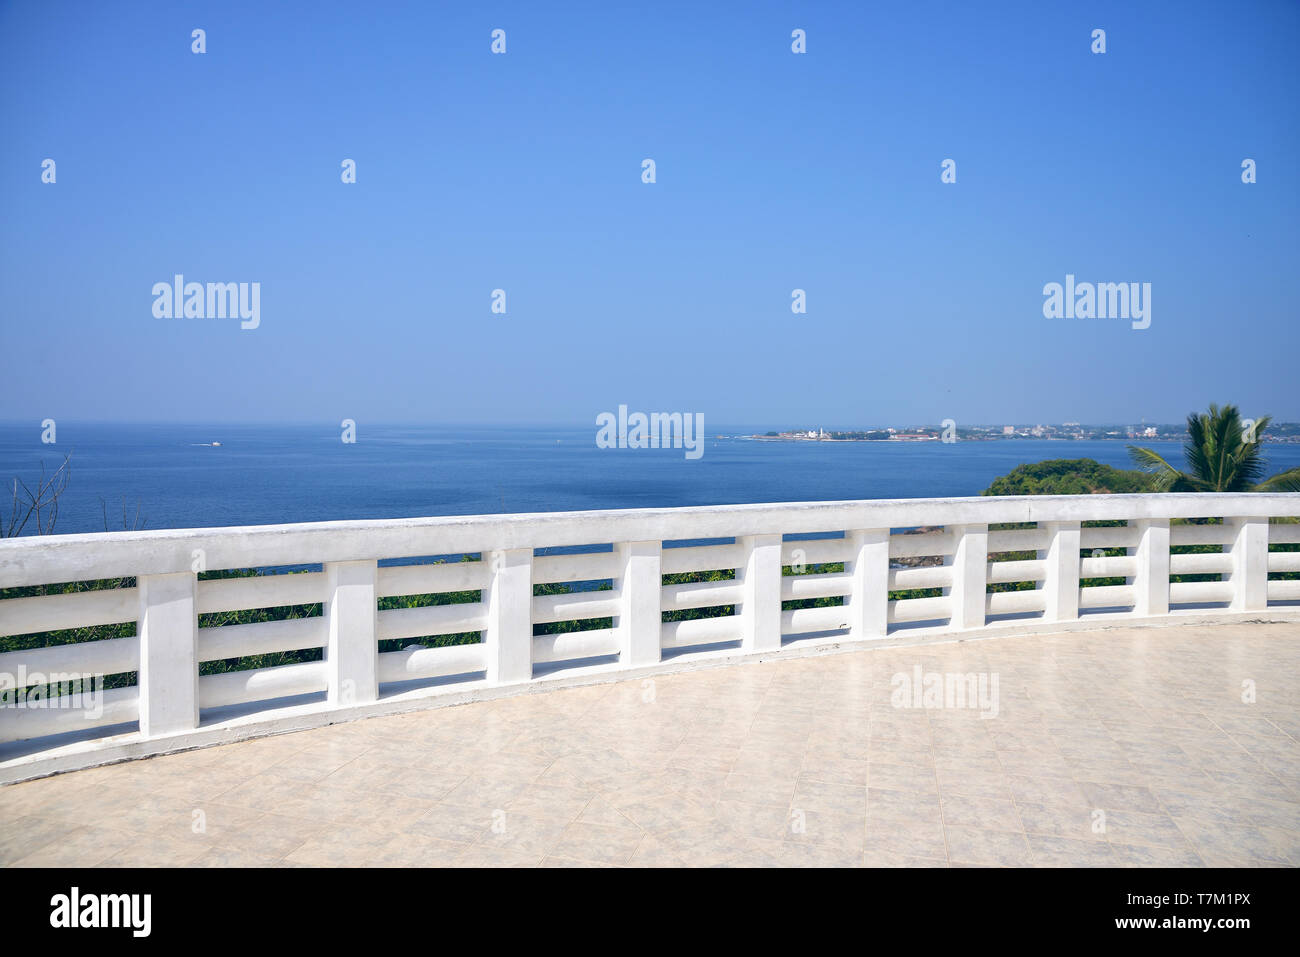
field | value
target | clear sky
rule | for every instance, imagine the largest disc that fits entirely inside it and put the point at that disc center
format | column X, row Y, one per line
column 522, row 171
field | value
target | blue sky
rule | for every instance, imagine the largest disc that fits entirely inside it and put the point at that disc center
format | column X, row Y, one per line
column 523, row 172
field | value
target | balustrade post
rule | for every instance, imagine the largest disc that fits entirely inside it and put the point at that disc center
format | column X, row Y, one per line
column 1151, row 583
column 1060, row 584
column 351, row 647
column 760, row 582
column 640, row 615
column 168, row 630
column 869, row 566
column 970, row 561
column 1249, row 564
column 509, row 601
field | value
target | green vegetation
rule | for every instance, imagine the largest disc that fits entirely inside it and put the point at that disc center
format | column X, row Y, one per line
column 126, row 629
column 70, row 636
column 689, row 614
column 1068, row 477
column 1063, row 477
column 1222, row 454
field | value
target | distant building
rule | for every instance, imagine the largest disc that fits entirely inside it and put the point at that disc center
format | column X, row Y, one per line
column 1008, row 430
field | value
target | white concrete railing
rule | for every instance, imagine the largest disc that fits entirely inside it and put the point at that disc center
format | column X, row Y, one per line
column 172, row 706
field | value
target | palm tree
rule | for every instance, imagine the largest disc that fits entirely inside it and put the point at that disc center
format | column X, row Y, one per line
column 1221, row 457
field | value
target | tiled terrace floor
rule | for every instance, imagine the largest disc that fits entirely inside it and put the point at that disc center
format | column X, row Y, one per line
column 1121, row 747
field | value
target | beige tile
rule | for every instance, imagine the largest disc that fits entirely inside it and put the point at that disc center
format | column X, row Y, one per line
column 341, row 846
column 597, row 842
column 1121, row 797
column 23, row 836
column 796, row 854
column 556, row 801
column 704, row 845
column 230, row 857
column 977, row 846
column 666, row 813
column 828, row 797
column 77, row 847
column 767, row 764
column 903, row 777
column 838, row 828
column 1049, row 820
column 834, row 769
column 570, row 863
column 996, row 814
column 452, row 822
column 753, row 789
column 1134, row 827
column 755, row 820
column 265, row 792
column 1051, row 790
column 906, row 837
column 1140, row 855
column 884, row 805
column 874, row 857
column 270, row 835
column 206, row 821
column 523, row 832
column 652, row 852
column 483, row 790
column 1049, row 851
column 486, row 855
column 1233, row 842
column 986, row 782
column 600, row 811
column 157, row 851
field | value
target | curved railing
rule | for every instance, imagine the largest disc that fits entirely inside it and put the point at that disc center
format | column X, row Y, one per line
column 749, row 561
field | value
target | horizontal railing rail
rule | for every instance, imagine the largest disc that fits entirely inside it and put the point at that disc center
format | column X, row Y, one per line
column 517, row 597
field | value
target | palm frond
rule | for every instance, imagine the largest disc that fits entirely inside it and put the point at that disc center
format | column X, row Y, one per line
column 1164, row 477
column 1219, row 459
column 1288, row 481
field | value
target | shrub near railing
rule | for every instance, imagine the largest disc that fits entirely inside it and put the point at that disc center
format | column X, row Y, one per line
column 1284, row 547
column 250, row 616
column 690, row 578
column 70, row 636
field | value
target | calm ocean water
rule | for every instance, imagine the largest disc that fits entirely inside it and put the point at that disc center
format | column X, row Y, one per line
column 270, row 474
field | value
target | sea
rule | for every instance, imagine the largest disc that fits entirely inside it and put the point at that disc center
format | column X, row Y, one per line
column 191, row 476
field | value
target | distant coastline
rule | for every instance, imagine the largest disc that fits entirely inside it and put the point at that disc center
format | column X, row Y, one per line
column 1278, row 432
